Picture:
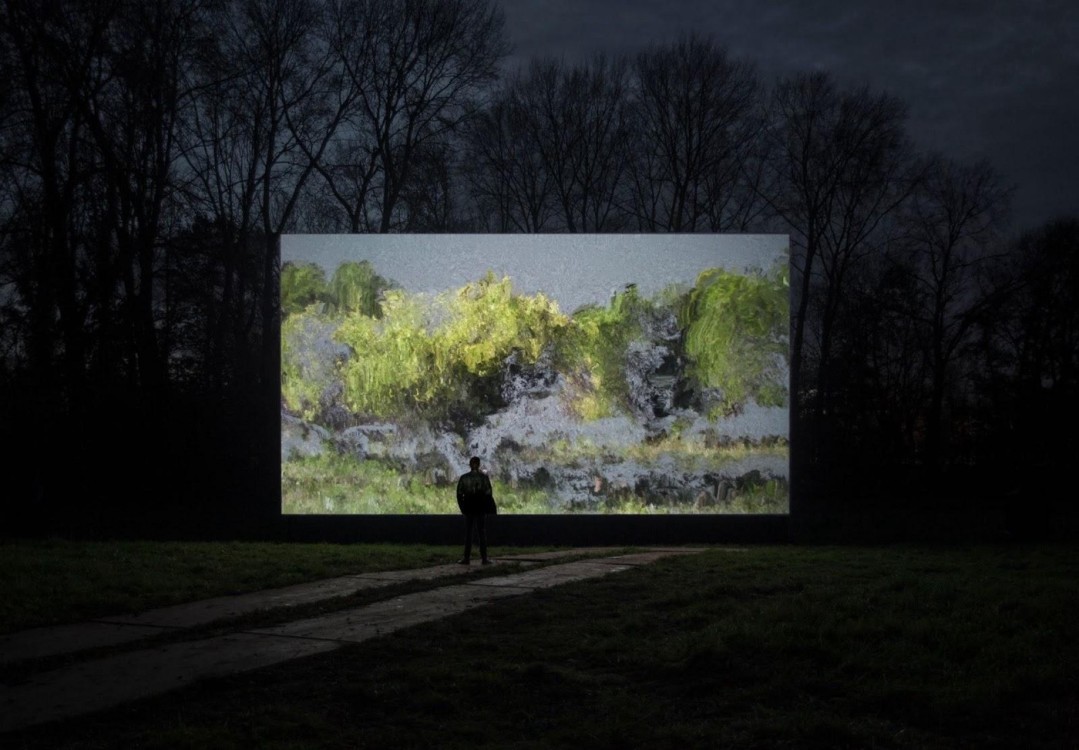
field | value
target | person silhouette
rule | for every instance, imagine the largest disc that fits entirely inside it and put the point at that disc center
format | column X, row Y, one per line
column 476, row 499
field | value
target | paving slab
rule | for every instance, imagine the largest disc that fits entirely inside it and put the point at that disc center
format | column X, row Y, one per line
column 436, row 571
column 208, row 610
column 558, row 553
column 111, row 681
column 114, row 630
column 61, row 639
column 190, row 614
column 554, row 575
column 644, row 558
column 381, row 618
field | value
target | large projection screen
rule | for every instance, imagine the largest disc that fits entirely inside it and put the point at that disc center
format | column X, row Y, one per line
column 618, row 374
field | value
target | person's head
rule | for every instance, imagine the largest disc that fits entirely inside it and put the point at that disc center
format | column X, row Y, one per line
column 474, row 463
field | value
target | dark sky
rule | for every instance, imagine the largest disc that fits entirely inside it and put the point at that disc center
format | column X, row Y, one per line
column 994, row 79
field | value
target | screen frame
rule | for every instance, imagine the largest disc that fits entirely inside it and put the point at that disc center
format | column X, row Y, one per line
column 578, row 529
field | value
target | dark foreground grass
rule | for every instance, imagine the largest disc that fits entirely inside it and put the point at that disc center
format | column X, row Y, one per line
column 58, row 581
column 768, row 647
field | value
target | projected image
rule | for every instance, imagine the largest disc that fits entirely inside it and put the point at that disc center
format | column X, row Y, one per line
column 643, row 374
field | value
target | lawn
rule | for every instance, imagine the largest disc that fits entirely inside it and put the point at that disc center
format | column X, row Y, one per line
column 895, row 647
column 49, row 582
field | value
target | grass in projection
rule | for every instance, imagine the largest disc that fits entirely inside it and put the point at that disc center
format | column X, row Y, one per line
column 605, row 375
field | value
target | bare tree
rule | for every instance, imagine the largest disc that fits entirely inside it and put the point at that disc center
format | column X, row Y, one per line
column 133, row 107
column 1028, row 374
column 696, row 126
column 503, row 166
column 430, row 197
column 418, row 67
column 955, row 219
column 841, row 166
column 590, row 109
column 891, row 350
column 577, row 123
column 51, row 60
column 273, row 102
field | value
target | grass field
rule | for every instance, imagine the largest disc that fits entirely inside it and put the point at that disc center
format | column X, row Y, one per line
column 897, row 647
column 336, row 484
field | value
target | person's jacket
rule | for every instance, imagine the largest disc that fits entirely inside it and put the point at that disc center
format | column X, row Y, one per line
column 474, row 493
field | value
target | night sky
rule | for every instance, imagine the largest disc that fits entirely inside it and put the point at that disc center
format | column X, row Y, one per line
column 993, row 79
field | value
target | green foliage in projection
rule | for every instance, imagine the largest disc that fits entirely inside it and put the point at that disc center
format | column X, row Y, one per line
column 356, row 288
column 308, row 362
column 302, row 284
column 430, row 356
column 487, row 322
column 592, row 353
column 735, row 332
column 390, row 357
column 386, row 353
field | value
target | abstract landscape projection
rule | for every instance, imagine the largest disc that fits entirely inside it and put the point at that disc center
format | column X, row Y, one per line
column 590, row 373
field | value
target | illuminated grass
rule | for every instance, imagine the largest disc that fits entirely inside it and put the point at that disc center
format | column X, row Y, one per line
column 697, row 454
column 338, row 484
column 688, row 453
column 331, row 483
column 766, row 647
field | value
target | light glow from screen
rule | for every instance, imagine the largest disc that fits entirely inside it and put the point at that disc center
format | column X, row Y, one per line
column 631, row 374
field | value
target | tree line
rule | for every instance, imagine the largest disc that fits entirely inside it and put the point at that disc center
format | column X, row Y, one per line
column 152, row 152
column 357, row 347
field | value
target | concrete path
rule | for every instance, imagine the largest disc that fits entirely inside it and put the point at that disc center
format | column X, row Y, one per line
column 97, row 684
column 110, row 631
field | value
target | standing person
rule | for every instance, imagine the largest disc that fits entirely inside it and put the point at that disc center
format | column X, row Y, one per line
column 476, row 499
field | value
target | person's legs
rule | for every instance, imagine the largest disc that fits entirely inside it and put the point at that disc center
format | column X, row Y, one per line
column 469, row 521
column 481, row 528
